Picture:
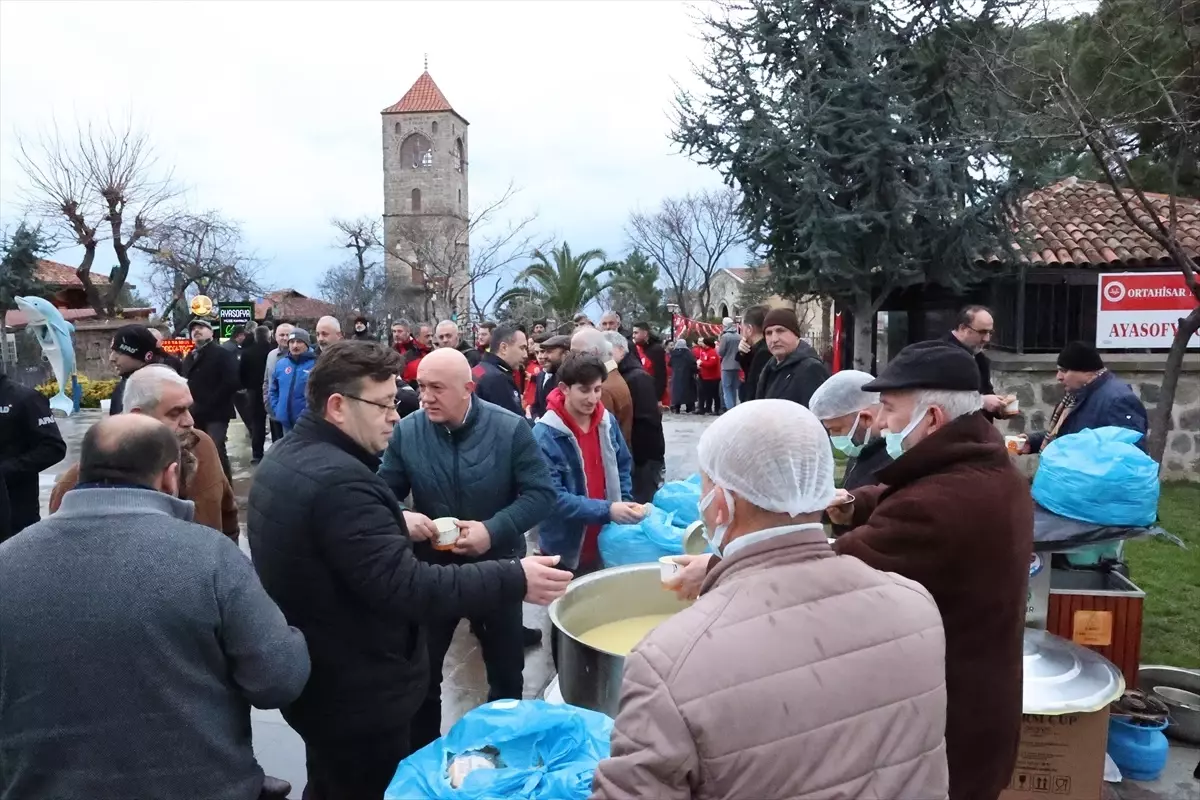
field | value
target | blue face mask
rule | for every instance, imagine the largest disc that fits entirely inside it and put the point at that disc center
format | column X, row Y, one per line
column 846, row 443
column 895, row 441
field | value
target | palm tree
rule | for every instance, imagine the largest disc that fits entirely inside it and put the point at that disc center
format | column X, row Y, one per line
column 563, row 283
column 633, row 289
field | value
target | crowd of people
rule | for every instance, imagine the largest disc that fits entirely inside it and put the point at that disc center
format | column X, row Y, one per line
column 406, row 485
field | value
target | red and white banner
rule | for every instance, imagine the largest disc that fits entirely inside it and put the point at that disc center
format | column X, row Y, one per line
column 684, row 326
column 1142, row 310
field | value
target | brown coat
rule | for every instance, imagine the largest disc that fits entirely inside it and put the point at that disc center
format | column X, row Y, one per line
column 797, row 674
column 615, row 396
column 208, row 489
column 956, row 516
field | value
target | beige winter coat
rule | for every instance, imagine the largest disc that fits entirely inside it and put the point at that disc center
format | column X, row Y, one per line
column 797, row 674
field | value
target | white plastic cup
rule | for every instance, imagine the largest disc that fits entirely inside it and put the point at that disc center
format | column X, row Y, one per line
column 668, row 568
column 447, row 533
column 1014, row 407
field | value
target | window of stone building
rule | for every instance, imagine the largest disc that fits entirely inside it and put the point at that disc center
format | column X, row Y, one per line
column 397, row 128
column 460, row 197
column 416, row 200
column 435, row 129
column 416, row 152
column 459, row 156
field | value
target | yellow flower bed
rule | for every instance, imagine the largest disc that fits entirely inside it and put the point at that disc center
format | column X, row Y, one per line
column 92, row 391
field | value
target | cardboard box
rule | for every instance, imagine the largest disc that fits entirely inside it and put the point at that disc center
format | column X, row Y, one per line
column 1060, row 758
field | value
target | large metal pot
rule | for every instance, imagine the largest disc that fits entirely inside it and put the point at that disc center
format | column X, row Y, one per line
column 589, row 677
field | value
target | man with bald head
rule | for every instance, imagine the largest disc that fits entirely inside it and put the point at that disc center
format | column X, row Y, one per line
column 446, row 335
column 614, row 392
column 153, row 631
column 329, row 330
column 467, row 459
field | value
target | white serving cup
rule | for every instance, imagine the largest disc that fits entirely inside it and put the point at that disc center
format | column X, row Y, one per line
column 668, row 568
column 1014, row 407
column 447, row 533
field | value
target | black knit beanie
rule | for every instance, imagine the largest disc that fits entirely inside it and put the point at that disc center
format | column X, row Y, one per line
column 784, row 318
column 1080, row 357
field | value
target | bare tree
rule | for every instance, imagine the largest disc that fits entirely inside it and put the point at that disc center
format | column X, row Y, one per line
column 687, row 239
column 106, row 183
column 199, row 254
column 436, row 249
column 1149, row 81
column 357, row 285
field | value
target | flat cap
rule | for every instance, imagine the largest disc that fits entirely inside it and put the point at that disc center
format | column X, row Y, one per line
column 934, row 365
column 559, row 341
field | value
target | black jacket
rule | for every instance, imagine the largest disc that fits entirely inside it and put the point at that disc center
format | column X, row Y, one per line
column 861, row 471
column 331, row 548
column 252, row 368
column 752, row 364
column 648, row 442
column 658, row 360
column 473, row 356
column 117, row 401
column 29, row 443
column 546, row 383
column 494, row 382
column 212, row 375
column 981, row 361
column 795, row 379
column 488, row 469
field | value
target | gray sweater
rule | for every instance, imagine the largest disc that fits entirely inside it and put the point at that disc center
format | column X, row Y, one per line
column 133, row 644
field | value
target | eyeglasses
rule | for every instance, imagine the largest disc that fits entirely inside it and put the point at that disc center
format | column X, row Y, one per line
column 384, row 406
column 988, row 332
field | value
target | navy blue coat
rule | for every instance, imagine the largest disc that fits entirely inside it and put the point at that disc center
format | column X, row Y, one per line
column 1103, row 402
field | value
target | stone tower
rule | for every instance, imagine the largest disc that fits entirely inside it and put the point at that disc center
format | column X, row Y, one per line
column 425, row 204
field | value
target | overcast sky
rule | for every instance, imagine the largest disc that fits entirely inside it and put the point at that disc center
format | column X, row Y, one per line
column 269, row 111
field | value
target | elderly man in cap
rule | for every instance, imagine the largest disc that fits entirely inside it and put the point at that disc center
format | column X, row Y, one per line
column 133, row 347
column 212, row 375
column 955, row 515
column 795, row 370
column 1094, row 398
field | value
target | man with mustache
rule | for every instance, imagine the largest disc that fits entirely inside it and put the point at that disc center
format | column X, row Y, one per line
column 158, row 392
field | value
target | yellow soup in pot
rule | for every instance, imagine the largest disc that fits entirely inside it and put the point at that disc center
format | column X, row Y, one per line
column 621, row 636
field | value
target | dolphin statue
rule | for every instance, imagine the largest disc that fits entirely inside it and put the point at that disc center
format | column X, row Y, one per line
column 54, row 335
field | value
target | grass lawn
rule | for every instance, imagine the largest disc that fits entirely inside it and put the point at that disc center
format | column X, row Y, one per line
column 1170, row 577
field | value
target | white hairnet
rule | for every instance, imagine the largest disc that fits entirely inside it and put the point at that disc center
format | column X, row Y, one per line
column 842, row 394
column 774, row 453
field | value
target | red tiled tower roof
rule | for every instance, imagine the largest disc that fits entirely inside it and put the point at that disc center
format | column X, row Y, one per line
column 424, row 96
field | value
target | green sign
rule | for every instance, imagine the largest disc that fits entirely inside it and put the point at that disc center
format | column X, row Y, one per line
column 234, row 317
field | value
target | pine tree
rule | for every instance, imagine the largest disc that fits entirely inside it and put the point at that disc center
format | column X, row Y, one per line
column 18, row 268
column 837, row 121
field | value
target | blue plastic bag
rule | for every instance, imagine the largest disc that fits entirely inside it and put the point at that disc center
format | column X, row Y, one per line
column 1098, row 475
column 681, row 498
column 648, row 540
column 543, row 751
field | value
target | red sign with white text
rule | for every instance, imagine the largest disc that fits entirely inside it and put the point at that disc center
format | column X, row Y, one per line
column 1142, row 310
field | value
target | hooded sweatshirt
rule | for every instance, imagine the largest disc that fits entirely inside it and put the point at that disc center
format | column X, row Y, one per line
column 593, row 466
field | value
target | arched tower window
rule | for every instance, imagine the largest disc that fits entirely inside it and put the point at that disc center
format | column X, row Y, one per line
column 460, row 197
column 397, row 128
column 459, row 156
column 416, row 152
column 416, row 200
column 435, row 129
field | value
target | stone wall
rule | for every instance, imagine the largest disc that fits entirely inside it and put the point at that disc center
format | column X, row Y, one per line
column 93, row 343
column 1032, row 379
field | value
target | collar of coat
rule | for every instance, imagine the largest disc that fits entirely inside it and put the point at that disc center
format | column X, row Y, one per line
column 803, row 351
column 311, row 426
column 965, row 441
column 95, row 500
column 494, row 360
column 801, row 545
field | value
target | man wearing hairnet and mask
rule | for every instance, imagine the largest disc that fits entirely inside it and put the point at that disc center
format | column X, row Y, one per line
column 713, row 706
column 855, row 424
